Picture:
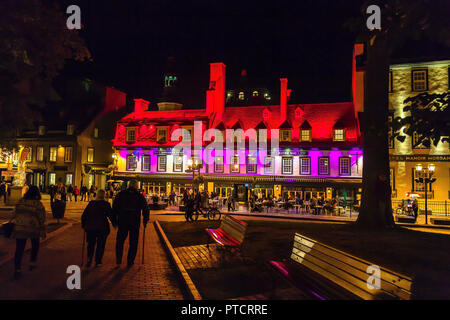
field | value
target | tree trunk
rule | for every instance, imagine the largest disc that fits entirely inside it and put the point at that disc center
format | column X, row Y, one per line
column 376, row 207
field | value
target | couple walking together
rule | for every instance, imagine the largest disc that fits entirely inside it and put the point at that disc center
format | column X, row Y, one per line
column 125, row 215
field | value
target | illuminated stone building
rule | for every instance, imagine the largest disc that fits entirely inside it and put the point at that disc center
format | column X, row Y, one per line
column 408, row 80
column 74, row 147
column 319, row 150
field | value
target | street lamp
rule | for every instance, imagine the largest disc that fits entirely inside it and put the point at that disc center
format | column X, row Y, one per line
column 428, row 180
column 193, row 167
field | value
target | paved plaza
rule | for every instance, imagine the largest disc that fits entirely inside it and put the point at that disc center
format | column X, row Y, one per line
column 155, row 279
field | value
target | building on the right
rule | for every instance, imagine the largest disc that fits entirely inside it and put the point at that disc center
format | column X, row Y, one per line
column 409, row 162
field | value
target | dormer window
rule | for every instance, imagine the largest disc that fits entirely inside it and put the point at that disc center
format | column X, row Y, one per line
column 305, row 135
column 161, row 135
column 241, row 95
column 41, row 130
column 298, row 113
column 131, row 135
column 70, row 129
column 285, row 135
column 338, row 135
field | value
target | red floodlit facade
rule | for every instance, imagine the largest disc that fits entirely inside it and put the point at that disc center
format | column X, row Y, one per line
column 319, row 152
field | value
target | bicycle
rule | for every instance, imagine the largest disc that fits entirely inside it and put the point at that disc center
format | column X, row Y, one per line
column 212, row 213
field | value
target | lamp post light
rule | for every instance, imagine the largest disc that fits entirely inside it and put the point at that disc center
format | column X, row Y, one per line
column 114, row 156
column 428, row 180
column 193, row 167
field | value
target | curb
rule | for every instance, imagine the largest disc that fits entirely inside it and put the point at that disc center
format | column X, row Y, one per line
column 49, row 236
column 193, row 292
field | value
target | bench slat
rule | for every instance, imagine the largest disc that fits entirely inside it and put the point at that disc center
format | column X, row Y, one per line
column 390, row 282
column 362, row 276
column 350, row 287
column 396, row 279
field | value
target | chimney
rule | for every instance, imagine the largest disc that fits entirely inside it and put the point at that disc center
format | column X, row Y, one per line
column 215, row 96
column 140, row 105
column 283, row 99
column 358, row 74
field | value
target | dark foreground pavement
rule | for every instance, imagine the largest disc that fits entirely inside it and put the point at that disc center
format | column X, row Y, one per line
column 154, row 280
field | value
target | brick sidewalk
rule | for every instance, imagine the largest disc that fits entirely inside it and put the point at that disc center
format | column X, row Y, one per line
column 155, row 279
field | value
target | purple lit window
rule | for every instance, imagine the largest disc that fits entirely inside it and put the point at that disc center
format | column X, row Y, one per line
column 324, row 165
column 268, row 165
column 344, row 166
column 131, row 162
column 286, row 166
column 235, row 167
column 251, row 165
column 305, row 165
column 145, row 163
column 218, row 164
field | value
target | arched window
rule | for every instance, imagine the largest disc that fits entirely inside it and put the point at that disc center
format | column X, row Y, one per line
column 255, row 93
column 241, row 95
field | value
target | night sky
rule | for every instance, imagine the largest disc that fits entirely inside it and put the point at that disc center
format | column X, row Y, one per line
column 305, row 41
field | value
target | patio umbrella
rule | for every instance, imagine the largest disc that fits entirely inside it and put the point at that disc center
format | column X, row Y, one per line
column 413, row 195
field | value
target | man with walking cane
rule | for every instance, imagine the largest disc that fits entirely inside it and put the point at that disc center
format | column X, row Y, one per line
column 128, row 206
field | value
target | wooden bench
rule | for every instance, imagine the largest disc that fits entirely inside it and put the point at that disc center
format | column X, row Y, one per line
column 230, row 234
column 405, row 218
column 440, row 221
column 325, row 273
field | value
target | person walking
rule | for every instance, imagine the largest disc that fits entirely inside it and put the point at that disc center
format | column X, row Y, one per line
column 69, row 193
column 29, row 223
column 76, row 193
column 94, row 221
column 83, row 193
column 415, row 208
column 128, row 206
column 3, row 191
column 92, row 192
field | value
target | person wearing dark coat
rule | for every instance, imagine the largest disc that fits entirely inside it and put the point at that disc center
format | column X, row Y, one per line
column 128, row 206
column 94, row 221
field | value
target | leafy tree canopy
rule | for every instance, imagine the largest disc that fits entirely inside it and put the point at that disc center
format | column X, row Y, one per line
column 428, row 116
column 34, row 46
